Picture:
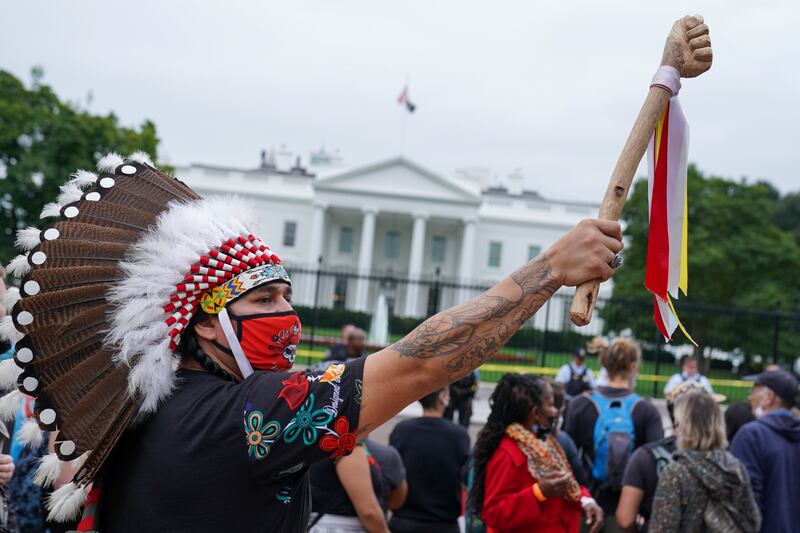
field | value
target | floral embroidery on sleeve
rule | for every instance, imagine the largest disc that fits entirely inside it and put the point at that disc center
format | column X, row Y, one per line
column 259, row 433
column 342, row 441
column 357, row 396
column 306, row 421
column 294, row 391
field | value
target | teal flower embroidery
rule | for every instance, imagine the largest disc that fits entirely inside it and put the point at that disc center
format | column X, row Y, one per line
column 285, row 495
column 260, row 434
column 306, row 421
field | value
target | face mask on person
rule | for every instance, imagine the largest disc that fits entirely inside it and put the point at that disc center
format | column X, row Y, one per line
column 269, row 340
column 542, row 432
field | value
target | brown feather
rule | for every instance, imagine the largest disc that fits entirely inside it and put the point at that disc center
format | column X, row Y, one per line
column 106, row 443
column 54, row 340
column 95, row 411
column 66, row 380
column 82, row 231
column 60, row 278
column 53, row 311
column 116, row 215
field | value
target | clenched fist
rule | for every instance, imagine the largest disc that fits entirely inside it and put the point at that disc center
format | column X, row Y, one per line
column 584, row 253
column 6, row 468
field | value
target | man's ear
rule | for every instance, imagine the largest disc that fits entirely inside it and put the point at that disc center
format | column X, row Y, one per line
column 205, row 328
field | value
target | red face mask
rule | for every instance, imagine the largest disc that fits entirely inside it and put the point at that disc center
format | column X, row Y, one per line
column 269, row 340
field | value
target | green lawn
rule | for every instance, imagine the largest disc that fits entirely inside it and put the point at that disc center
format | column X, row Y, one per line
column 648, row 383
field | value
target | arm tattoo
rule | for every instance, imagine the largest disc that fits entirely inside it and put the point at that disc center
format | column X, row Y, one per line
column 469, row 334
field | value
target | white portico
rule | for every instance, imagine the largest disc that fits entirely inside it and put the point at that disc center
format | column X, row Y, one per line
column 405, row 220
column 422, row 240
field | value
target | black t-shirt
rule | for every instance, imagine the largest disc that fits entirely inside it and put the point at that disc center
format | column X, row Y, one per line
column 581, row 417
column 434, row 451
column 327, row 493
column 641, row 472
column 219, row 456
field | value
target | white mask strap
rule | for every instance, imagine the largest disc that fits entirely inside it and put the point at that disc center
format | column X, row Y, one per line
column 244, row 365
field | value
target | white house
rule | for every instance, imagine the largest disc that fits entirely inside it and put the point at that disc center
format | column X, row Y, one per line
column 424, row 240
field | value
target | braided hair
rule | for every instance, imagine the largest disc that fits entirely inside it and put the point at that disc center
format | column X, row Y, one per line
column 512, row 400
column 189, row 348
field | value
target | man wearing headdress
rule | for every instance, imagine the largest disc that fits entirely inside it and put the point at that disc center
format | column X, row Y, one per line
column 157, row 333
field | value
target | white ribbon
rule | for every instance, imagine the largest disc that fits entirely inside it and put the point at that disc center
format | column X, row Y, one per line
column 244, row 365
column 668, row 77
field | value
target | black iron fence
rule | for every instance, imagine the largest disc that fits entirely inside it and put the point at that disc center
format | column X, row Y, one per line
column 733, row 342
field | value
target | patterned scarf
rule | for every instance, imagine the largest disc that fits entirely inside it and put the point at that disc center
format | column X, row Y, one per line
column 544, row 457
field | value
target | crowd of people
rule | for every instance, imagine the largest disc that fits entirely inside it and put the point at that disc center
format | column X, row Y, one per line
column 569, row 455
column 575, row 453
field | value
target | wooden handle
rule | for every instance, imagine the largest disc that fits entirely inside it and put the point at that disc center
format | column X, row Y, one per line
column 688, row 49
column 586, row 295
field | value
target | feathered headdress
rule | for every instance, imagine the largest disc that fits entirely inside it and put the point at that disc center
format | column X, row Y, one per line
column 106, row 292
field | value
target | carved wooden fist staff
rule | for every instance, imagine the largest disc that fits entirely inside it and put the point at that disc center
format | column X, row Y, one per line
column 687, row 50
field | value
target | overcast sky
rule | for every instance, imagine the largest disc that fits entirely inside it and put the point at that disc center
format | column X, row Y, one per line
column 549, row 87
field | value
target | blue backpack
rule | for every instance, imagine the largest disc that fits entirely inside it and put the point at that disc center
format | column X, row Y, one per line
column 614, row 438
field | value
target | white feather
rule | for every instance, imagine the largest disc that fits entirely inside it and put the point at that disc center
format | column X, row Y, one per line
column 9, row 405
column 69, row 193
column 110, row 162
column 28, row 238
column 48, row 471
column 141, row 157
column 19, row 266
column 8, row 331
column 77, row 463
column 82, row 178
column 30, row 435
column 66, row 502
column 51, row 210
column 10, row 298
column 9, row 372
column 159, row 260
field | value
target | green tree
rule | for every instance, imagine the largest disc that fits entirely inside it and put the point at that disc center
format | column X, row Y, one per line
column 738, row 258
column 42, row 141
column 787, row 214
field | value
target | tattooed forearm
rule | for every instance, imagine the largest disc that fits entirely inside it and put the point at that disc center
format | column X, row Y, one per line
column 471, row 333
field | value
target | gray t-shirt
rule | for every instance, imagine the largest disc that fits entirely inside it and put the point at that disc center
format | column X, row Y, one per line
column 393, row 473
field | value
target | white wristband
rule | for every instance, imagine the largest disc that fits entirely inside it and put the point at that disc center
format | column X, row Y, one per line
column 668, row 78
column 586, row 500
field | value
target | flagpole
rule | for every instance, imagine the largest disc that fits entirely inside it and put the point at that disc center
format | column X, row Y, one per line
column 405, row 119
column 403, row 138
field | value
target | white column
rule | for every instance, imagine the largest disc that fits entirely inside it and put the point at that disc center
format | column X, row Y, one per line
column 365, row 258
column 314, row 251
column 467, row 260
column 415, row 264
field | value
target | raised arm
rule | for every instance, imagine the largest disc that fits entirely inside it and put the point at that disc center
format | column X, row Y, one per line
column 452, row 343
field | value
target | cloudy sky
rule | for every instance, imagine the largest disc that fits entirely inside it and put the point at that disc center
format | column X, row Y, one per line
column 551, row 88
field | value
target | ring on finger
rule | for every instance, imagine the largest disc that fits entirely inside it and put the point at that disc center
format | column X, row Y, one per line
column 616, row 261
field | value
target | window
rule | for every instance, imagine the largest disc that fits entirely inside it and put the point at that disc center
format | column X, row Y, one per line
column 346, row 240
column 289, row 232
column 533, row 251
column 495, row 250
column 391, row 245
column 437, row 249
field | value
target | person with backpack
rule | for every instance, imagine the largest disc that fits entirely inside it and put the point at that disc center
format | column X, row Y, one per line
column 522, row 480
column 706, row 488
column 645, row 467
column 575, row 375
column 608, row 424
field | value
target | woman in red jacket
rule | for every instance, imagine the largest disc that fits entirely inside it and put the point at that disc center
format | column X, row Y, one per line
column 523, row 481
